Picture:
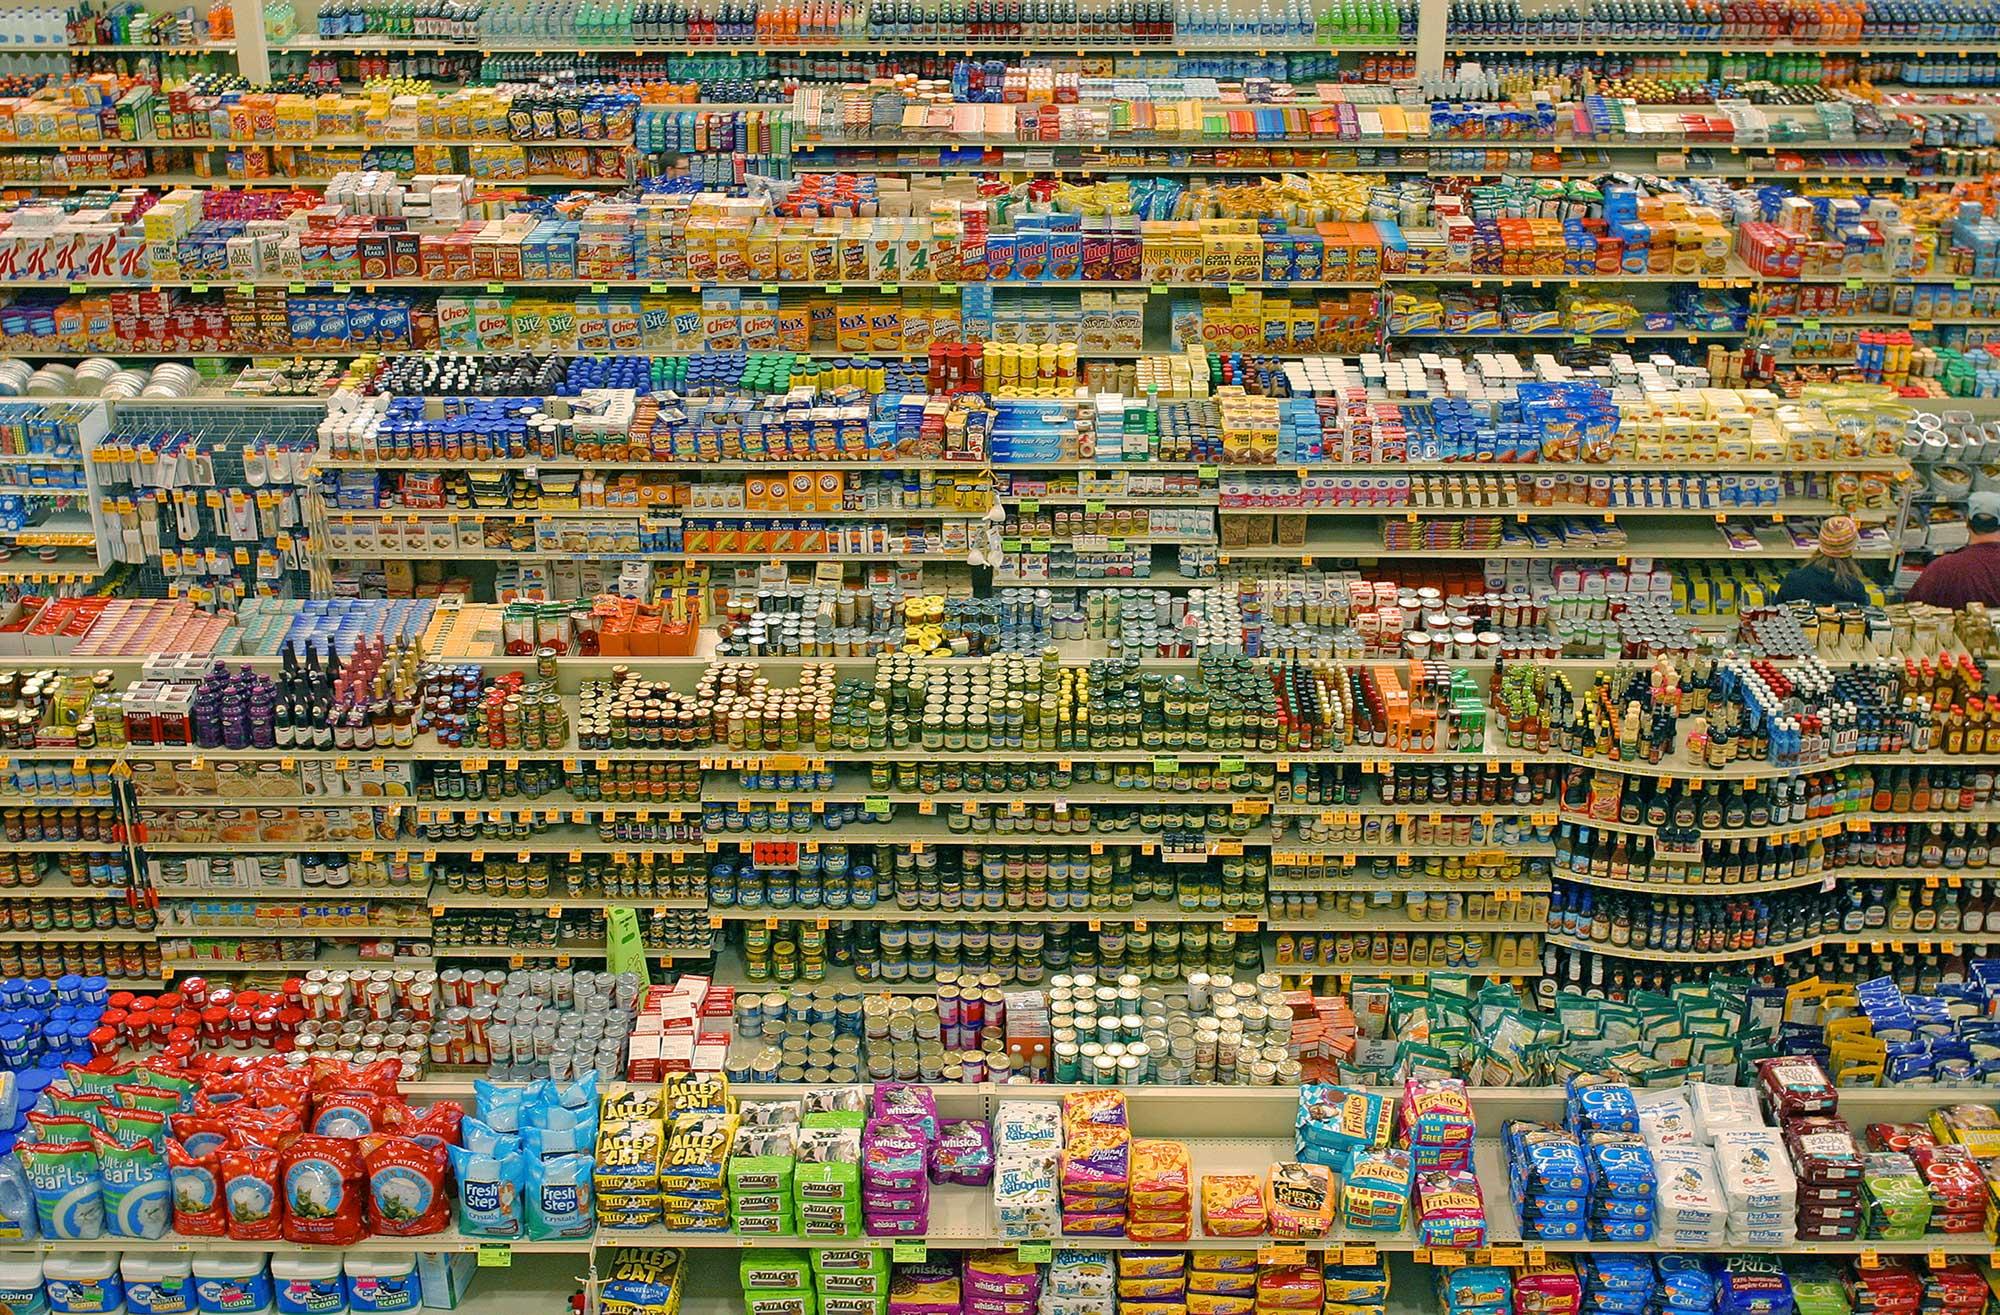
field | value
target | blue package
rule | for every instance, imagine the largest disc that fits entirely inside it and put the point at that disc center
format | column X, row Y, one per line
column 137, row 1187
column 559, row 1197
column 498, row 1107
column 1596, row 1104
column 489, row 1191
column 17, row 1202
column 478, row 1137
column 68, row 1189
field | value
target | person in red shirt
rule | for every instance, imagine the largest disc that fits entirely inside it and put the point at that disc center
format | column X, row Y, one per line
column 1972, row 574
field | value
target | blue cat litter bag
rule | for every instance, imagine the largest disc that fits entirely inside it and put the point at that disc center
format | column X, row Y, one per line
column 499, row 1107
column 559, row 1198
column 489, row 1190
column 574, row 1135
column 138, row 1188
column 67, row 1187
column 17, row 1201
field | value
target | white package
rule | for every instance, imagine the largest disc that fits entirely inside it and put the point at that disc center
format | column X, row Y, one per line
column 1666, row 1118
column 1756, row 1172
column 1030, row 1127
column 1719, row 1109
column 1024, row 1196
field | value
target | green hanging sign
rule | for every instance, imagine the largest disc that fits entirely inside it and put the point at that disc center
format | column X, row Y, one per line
column 624, row 947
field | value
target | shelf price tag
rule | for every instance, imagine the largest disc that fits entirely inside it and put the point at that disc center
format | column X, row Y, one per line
column 495, row 1255
column 1357, row 1255
column 1281, row 1255
column 905, row 1252
column 1166, row 766
column 1034, row 1253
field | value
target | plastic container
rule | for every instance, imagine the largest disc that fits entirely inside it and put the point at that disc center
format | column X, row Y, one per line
column 84, row 1283
column 309, row 1284
column 158, row 1284
column 382, row 1281
column 21, row 1290
column 234, row 1285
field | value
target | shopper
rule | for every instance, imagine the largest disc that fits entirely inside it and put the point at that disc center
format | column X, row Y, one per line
column 1830, row 576
column 1972, row 574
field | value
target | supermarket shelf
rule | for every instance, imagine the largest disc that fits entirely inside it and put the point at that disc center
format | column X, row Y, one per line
column 1386, row 923
column 284, row 965
column 1366, row 968
column 165, row 180
column 165, row 801
column 66, row 846
column 755, row 43
column 61, row 891
column 310, row 143
column 1877, row 940
column 449, row 1240
column 524, row 952
column 297, row 894
column 1362, row 541
column 554, row 903
column 1519, row 511
column 1139, row 913
column 1343, row 879
column 285, row 930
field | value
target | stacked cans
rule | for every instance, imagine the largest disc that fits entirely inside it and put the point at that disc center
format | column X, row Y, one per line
column 1211, row 1029
column 537, row 1023
column 812, row 1037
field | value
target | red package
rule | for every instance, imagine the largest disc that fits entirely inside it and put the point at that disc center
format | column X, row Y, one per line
column 1795, row 1085
column 202, row 1135
column 220, row 1089
column 1955, row 1182
column 198, row 1201
column 250, row 1195
column 266, row 1128
column 325, row 1184
column 1898, row 1136
column 1823, row 1150
column 440, row 1122
column 339, row 1075
column 408, row 1185
column 351, row 1112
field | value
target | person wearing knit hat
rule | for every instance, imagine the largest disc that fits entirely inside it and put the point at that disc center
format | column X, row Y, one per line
column 1829, row 576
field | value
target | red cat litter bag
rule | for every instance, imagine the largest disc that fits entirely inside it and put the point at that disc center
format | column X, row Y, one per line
column 339, row 1075
column 439, row 1123
column 408, row 1185
column 250, row 1196
column 203, row 1135
column 224, row 1088
column 350, row 1112
column 264, row 1128
column 198, row 1194
column 324, row 1183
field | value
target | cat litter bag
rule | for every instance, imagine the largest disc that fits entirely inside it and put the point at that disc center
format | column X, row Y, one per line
column 68, row 1189
column 498, row 1107
column 558, row 1195
column 137, row 1187
column 17, row 1203
column 409, row 1185
column 489, row 1191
